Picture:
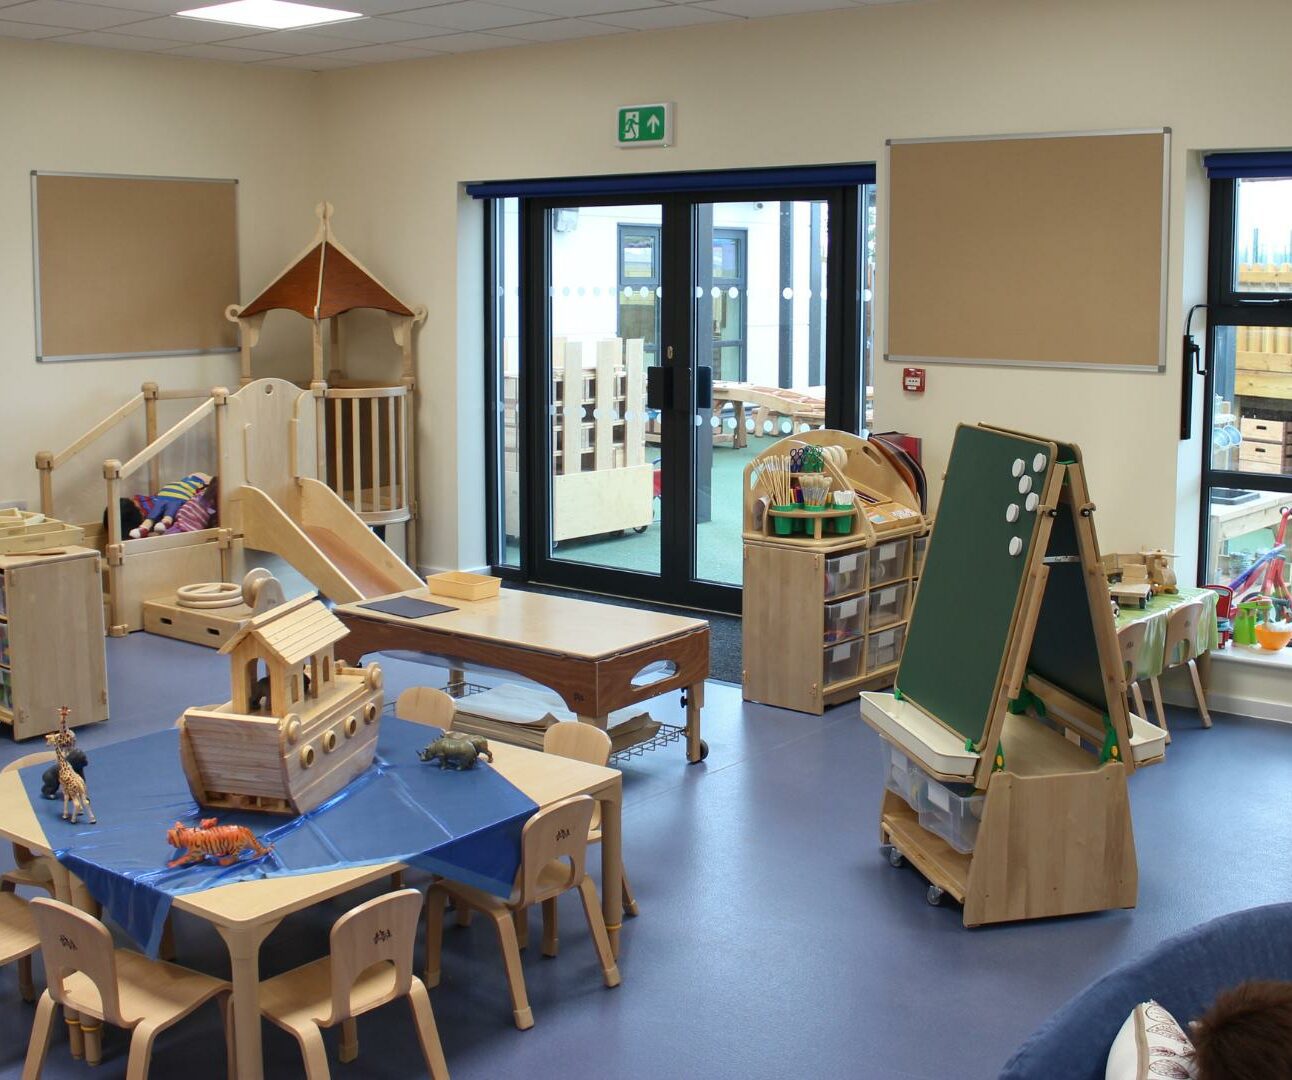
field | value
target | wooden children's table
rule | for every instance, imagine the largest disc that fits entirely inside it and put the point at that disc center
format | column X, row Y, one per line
column 247, row 912
column 593, row 655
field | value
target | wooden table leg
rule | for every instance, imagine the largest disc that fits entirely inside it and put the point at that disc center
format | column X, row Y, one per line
column 602, row 722
column 694, row 703
column 1203, row 663
column 612, row 864
column 243, row 943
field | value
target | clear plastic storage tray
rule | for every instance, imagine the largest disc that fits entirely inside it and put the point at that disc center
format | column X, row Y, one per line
column 842, row 662
column 901, row 775
column 884, row 647
column 845, row 573
column 917, row 561
column 888, row 561
column 949, row 813
column 887, row 604
column 845, row 620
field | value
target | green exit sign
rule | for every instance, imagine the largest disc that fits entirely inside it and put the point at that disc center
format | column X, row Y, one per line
column 645, row 125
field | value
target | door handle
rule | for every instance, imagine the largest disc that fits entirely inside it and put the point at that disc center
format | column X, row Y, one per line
column 703, row 387
column 659, row 387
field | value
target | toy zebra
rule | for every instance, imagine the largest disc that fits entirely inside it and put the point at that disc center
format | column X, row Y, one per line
column 75, row 794
column 224, row 843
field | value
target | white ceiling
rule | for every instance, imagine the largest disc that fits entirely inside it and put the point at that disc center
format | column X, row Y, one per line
column 393, row 30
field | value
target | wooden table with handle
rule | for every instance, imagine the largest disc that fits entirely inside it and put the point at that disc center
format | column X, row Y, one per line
column 591, row 654
column 247, row 912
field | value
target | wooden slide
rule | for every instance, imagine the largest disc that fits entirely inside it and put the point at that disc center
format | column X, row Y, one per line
column 323, row 539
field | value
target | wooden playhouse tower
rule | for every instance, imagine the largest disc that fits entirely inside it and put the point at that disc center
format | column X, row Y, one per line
column 367, row 448
column 315, row 733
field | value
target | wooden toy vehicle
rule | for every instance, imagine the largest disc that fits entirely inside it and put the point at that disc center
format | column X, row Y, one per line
column 314, row 737
column 1128, row 594
column 1150, row 567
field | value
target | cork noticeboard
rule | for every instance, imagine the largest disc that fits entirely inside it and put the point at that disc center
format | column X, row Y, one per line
column 133, row 266
column 1044, row 250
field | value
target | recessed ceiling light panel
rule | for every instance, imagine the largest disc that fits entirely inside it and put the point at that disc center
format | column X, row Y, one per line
column 269, row 14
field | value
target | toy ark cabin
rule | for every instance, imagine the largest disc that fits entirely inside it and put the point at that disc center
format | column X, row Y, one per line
column 299, row 725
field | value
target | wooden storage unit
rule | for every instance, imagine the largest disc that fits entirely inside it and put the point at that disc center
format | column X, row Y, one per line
column 601, row 481
column 51, row 640
column 824, row 616
column 788, row 661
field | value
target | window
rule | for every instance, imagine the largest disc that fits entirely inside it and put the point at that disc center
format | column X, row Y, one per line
column 1247, row 466
column 729, row 310
column 639, row 288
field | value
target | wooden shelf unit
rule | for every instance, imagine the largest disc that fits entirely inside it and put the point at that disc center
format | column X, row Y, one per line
column 51, row 623
column 601, row 481
column 787, row 658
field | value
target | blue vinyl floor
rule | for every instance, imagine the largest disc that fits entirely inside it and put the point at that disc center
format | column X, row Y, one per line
column 774, row 939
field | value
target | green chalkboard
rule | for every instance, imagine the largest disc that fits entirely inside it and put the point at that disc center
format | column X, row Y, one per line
column 971, row 584
column 1065, row 651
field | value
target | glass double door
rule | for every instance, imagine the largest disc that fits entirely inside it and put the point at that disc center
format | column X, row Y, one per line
column 670, row 342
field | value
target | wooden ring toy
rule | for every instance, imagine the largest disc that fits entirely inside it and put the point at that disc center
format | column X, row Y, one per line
column 209, row 594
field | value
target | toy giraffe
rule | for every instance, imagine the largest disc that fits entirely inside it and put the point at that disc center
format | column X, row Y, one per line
column 73, row 785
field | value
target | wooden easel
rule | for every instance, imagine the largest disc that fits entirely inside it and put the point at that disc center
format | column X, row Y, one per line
column 1051, row 752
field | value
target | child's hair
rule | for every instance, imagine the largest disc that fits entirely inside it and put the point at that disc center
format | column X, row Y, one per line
column 131, row 516
column 1246, row 1034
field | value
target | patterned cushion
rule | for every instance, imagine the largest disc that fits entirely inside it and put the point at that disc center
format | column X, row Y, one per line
column 1150, row 1046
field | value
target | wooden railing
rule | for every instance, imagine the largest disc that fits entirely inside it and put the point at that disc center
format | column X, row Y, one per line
column 47, row 462
column 367, row 449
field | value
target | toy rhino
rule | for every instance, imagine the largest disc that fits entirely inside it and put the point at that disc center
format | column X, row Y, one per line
column 458, row 750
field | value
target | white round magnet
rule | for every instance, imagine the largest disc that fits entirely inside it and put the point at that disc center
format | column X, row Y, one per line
column 1015, row 545
column 1033, row 500
column 1011, row 513
column 1019, row 466
column 1024, row 485
column 1038, row 463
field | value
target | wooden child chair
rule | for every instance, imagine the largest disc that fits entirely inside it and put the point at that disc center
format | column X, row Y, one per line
column 583, row 742
column 1182, row 647
column 1130, row 639
column 553, row 854
column 104, row 984
column 370, row 964
column 30, row 869
column 18, row 940
column 426, row 705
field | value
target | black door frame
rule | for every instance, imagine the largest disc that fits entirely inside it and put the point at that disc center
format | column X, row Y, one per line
column 843, row 380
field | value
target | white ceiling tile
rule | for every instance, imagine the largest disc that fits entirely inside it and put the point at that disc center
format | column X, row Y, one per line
column 382, row 54
column 576, row 9
column 459, row 43
column 152, row 7
column 30, row 31
column 471, row 15
column 191, row 31
column 562, row 30
column 70, row 15
column 759, row 9
column 104, row 40
column 234, row 54
column 310, row 63
column 372, row 31
column 664, row 18
column 293, row 42
column 377, row 7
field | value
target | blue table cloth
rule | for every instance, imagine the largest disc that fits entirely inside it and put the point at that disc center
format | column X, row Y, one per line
column 464, row 825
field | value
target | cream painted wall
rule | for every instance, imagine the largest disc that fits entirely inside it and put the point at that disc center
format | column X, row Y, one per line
column 817, row 88
column 90, row 110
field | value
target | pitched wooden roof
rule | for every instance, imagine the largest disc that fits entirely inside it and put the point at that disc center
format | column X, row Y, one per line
column 291, row 632
column 325, row 281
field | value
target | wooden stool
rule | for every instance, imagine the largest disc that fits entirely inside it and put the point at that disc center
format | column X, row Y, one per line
column 370, row 964
column 553, row 851
column 1181, row 648
column 103, row 984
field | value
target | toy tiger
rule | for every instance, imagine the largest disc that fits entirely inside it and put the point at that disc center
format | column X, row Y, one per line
column 224, row 843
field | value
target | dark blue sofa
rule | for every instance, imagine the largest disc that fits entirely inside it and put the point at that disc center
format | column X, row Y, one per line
column 1184, row 974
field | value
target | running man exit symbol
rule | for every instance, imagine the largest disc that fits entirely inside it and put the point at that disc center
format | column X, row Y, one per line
column 645, row 125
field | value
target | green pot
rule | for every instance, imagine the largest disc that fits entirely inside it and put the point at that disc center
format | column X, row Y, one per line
column 783, row 525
